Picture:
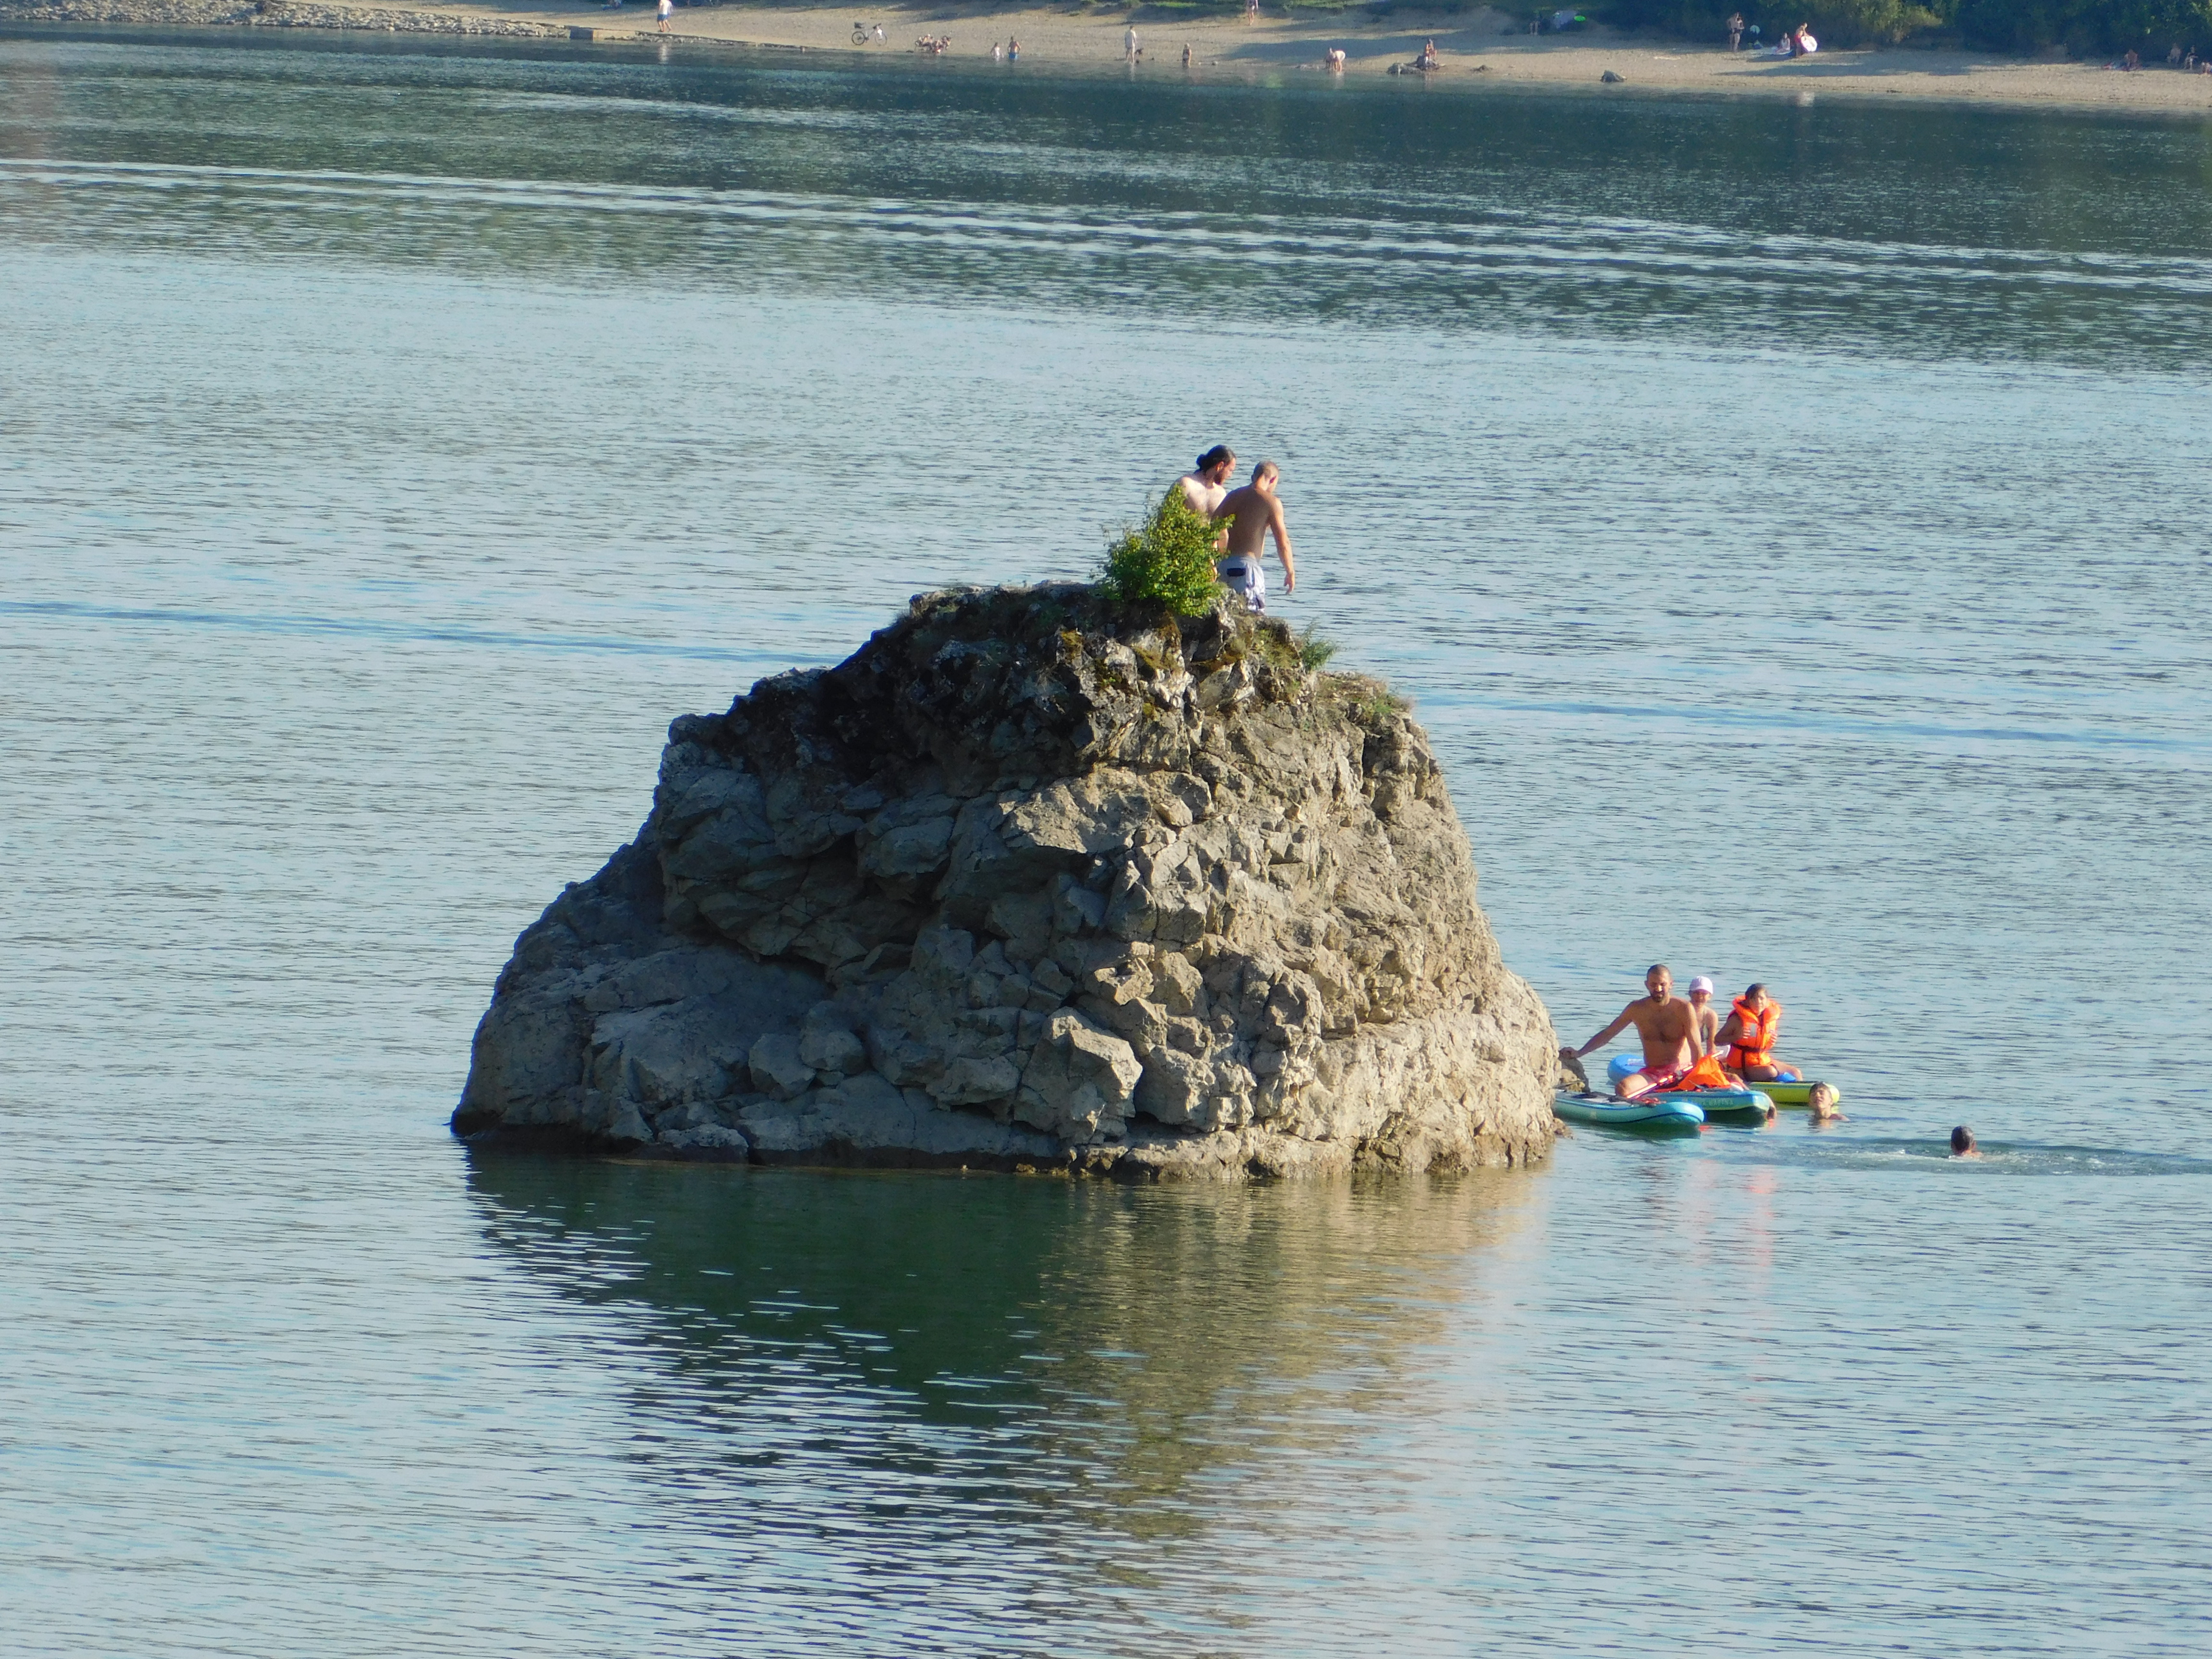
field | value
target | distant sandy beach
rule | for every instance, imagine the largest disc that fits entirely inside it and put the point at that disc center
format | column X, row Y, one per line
column 1485, row 45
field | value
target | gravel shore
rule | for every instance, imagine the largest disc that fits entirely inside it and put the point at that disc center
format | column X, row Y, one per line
column 1488, row 45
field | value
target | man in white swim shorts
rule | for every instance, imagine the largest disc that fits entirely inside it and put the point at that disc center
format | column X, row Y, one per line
column 1252, row 514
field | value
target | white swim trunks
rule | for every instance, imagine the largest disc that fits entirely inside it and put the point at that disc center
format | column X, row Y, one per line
column 1247, row 577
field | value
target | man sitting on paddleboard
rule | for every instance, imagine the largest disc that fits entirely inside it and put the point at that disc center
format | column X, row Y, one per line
column 1748, row 1036
column 1672, row 1042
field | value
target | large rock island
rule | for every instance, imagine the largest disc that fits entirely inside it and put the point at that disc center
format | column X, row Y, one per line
column 1033, row 881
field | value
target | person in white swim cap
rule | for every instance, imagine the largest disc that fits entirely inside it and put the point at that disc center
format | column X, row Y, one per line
column 1708, row 1018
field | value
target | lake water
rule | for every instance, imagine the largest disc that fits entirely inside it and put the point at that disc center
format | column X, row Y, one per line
column 1790, row 521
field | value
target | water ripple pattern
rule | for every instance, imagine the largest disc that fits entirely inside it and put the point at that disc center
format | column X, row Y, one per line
column 1787, row 522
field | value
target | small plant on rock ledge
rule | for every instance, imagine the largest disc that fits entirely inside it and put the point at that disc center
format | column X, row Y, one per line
column 1313, row 651
column 1168, row 560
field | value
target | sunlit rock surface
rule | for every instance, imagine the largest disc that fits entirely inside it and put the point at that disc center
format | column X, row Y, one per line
column 1030, row 882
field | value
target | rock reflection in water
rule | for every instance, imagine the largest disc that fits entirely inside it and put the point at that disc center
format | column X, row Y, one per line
column 949, row 1345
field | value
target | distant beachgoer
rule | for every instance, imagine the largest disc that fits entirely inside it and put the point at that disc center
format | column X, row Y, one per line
column 880, row 36
column 1667, row 1029
column 1129, row 45
column 1335, row 59
column 1207, row 483
column 1708, row 1018
column 1251, row 12
column 1962, row 1143
column 2133, row 60
column 1253, row 514
column 997, row 52
column 2173, row 53
column 1013, row 49
column 1807, row 46
column 1821, row 1100
column 666, row 7
column 1186, row 54
column 1748, row 1036
column 1428, row 57
column 1735, row 31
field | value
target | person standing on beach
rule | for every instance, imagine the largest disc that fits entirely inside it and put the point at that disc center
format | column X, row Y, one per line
column 666, row 7
column 1253, row 514
column 1735, row 31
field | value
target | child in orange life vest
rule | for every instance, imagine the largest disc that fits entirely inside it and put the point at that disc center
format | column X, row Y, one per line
column 1747, row 1035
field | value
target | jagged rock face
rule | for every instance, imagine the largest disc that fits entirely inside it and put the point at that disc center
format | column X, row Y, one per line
column 1030, row 882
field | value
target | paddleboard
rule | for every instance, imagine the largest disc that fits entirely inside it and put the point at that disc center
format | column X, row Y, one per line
column 1650, row 1112
column 1727, row 1102
column 1782, row 1094
column 1793, row 1094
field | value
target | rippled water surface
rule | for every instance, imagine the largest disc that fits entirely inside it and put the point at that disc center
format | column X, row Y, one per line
column 1789, row 523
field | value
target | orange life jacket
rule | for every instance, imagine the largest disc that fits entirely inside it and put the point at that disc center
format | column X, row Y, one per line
column 1706, row 1074
column 1760, row 1051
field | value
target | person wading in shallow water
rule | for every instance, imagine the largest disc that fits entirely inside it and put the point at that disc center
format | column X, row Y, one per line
column 1667, row 1026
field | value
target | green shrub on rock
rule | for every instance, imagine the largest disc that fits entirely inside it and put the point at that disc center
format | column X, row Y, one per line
column 1168, row 559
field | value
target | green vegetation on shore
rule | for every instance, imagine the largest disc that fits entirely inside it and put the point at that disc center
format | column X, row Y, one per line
column 2082, row 28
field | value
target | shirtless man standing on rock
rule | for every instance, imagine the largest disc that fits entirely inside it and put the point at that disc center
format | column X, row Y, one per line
column 1206, row 483
column 1252, row 513
column 1673, row 1039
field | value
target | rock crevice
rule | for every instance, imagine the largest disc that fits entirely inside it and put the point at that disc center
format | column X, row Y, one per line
column 1030, row 881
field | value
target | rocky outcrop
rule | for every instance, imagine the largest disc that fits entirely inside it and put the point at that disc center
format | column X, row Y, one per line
column 1033, row 882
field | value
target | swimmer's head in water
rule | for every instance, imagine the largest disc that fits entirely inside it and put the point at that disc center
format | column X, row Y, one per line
column 1220, row 456
column 1962, row 1141
column 1821, row 1098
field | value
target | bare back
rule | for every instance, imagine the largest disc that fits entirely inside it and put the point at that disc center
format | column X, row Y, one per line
column 1254, row 513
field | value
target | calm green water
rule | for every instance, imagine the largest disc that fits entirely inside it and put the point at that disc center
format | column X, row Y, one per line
column 1790, row 521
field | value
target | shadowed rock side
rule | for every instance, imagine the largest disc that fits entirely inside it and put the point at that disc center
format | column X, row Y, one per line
column 1032, row 882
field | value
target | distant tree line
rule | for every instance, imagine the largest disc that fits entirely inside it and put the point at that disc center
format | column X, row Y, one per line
column 2082, row 26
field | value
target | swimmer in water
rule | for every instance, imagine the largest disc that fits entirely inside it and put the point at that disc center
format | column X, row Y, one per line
column 1822, row 1101
column 1962, row 1143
